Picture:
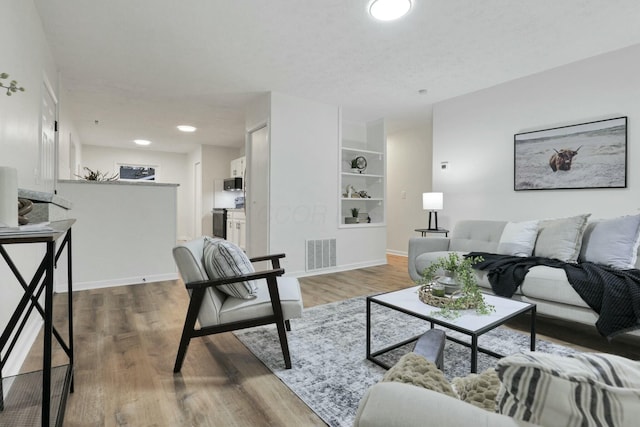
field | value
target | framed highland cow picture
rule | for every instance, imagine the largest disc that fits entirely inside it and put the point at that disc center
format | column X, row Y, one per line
column 586, row 155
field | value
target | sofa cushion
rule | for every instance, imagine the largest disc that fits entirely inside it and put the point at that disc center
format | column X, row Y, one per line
column 612, row 242
column 561, row 238
column 550, row 284
column 476, row 235
column 426, row 259
column 223, row 259
column 518, row 238
column 573, row 390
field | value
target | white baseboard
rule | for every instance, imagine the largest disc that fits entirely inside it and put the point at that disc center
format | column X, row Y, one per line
column 110, row 283
column 338, row 269
column 399, row 253
column 23, row 346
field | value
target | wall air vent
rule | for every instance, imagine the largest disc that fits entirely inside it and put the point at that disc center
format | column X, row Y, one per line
column 321, row 254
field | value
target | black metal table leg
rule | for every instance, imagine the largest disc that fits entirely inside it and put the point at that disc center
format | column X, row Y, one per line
column 474, row 353
column 533, row 329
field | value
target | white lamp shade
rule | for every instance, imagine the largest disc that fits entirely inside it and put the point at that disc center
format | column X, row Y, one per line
column 432, row 201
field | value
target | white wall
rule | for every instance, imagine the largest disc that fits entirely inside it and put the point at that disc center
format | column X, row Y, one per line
column 124, row 232
column 474, row 133
column 304, row 187
column 26, row 57
column 172, row 168
column 409, row 170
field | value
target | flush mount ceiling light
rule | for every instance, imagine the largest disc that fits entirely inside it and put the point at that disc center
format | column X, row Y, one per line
column 142, row 141
column 186, row 128
column 388, row 10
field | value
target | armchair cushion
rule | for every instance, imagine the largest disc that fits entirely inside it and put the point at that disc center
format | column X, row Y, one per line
column 235, row 309
column 223, row 259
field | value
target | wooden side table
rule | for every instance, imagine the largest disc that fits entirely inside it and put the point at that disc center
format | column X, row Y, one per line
column 424, row 231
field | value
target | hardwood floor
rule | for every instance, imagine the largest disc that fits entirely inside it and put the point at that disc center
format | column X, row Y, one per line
column 127, row 337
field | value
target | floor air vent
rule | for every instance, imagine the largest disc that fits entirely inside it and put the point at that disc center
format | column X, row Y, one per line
column 321, row 254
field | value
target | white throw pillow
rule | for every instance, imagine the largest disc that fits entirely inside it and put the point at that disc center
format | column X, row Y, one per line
column 612, row 242
column 576, row 390
column 518, row 238
column 561, row 238
column 223, row 259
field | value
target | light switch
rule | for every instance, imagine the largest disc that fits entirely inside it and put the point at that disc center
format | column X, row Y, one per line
column 403, row 194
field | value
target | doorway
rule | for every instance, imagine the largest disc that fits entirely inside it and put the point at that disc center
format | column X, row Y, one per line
column 257, row 191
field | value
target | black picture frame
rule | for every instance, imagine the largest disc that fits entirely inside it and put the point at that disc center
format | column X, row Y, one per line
column 581, row 156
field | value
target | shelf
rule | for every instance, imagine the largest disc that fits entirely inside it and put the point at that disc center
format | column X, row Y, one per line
column 23, row 397
column 357, row 150
column 363, row 175
column 369, row 141
column 365, row 225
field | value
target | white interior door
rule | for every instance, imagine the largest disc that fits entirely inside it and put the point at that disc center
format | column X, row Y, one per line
column 47, row 173
column 257, row 188
column 197, row 199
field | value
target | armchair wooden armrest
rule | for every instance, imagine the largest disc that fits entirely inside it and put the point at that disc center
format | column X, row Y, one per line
column 275, row 259
column 266, row 274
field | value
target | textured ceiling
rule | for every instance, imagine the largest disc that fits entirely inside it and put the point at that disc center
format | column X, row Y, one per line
column 142, row 67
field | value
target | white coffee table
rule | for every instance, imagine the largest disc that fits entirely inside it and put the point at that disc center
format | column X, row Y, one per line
column 469, row 323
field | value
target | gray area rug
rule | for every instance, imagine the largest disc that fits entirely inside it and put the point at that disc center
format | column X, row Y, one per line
column 328, row 353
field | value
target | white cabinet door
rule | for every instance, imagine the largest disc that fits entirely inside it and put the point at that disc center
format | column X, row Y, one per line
column 241, row 228
column 231, row 230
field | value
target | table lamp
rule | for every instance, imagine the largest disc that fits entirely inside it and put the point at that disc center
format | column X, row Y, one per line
column 432, row 202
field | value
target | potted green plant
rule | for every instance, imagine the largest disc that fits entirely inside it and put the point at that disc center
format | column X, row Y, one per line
column 460, row 270
column 354, row 216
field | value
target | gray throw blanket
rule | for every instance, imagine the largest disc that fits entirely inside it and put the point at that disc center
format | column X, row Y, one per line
column 613, row 294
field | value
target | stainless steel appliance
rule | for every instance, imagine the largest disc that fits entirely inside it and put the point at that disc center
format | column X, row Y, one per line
column 233, row 184
column 219, row 223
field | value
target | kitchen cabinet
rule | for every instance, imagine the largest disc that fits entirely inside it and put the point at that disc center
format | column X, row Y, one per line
column 237, row 228
column 362, row 174
column 238, row 167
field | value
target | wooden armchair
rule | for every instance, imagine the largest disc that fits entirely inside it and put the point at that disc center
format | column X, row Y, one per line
column 278, row 299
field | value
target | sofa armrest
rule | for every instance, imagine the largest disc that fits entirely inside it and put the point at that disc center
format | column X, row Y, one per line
column 420, row 245
column 392, row 404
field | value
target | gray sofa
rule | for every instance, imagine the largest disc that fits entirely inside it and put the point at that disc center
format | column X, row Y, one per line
column 547, row 287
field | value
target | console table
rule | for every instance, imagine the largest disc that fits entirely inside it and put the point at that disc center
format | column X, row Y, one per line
column 19, row 404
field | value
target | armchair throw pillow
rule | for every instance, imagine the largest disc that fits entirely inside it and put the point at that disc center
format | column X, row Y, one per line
column 572, row 390
column 223, row 259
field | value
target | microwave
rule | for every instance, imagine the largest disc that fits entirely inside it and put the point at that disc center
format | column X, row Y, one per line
column 233, row 184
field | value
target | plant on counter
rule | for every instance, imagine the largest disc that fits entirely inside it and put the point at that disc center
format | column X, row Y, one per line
column 97, row 175
column 13, row 85
column 354, row 212
column 468, row 297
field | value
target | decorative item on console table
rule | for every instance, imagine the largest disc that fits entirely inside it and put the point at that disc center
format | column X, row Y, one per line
column 459, row 271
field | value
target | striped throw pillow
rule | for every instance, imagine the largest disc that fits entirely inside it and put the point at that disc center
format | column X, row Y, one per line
column 223, row 259
column 589, row 389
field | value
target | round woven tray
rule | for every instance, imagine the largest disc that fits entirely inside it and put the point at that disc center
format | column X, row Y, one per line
column 425, row 295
